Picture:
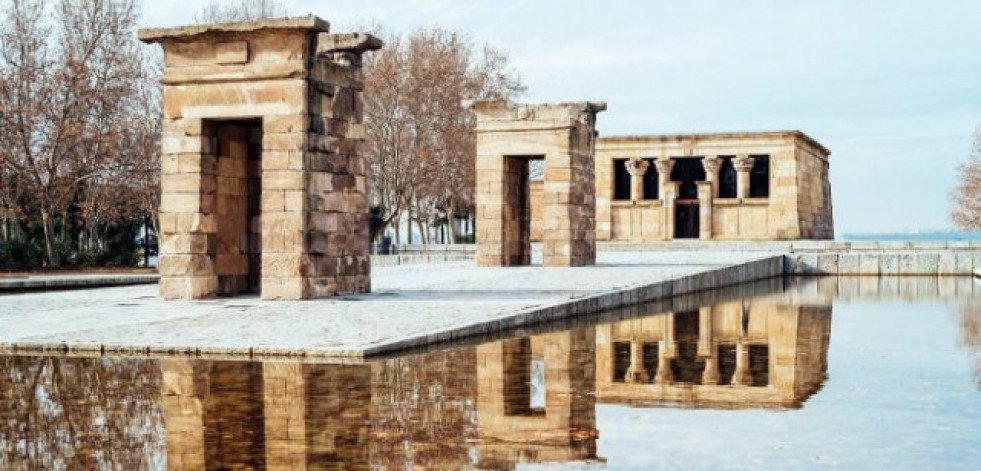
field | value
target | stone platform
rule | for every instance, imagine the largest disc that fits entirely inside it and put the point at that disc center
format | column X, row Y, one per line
column 411, row 306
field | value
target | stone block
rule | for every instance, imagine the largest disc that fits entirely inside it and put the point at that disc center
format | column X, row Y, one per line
column 927, row 264
column 947, row 263
column 869, row 264
column 828, row 264
column 908, row 263
column 889, row 264
column 188, row 287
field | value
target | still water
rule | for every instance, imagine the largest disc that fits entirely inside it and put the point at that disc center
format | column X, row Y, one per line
column 854, row 373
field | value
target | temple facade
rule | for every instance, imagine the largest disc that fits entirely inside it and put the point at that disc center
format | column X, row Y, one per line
column 726, row 186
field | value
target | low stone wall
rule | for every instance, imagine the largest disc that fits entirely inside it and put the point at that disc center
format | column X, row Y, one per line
column 407, row 249
column 884, row 258
column 802, row 257
column 421, row 258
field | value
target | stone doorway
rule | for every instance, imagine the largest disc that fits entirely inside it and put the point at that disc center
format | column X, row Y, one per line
column 518, row 213
column 686, row 220
column 237, row 248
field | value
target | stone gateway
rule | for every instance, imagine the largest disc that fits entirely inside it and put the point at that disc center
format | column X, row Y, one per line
column 509, row 136
column 263, row 183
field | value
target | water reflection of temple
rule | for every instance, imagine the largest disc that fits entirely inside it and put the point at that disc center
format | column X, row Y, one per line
column 738, row 354
column 526, row 400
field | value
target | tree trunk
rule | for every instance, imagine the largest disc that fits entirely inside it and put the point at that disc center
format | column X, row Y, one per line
column 49, row 244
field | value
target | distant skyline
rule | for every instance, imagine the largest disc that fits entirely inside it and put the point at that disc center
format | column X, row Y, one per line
column 892, row 88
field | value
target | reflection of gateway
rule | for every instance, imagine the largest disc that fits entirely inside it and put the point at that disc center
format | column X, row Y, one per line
column 730, row 355
column 520, row 423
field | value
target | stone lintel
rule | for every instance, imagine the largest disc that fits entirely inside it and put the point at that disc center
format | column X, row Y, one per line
column 357, row 43
column 195, row 32
column 698, row 138
column 495, row 115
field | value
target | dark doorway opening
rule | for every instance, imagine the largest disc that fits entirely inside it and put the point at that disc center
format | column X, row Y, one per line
column 517, row 210
column 759, row 177
column 621, row 180
column 687, row 171
column 686, row 220
column 236, row 190
column 727, row 178
column 651, row 181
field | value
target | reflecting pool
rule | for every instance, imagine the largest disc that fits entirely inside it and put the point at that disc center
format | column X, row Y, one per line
column 855, row 373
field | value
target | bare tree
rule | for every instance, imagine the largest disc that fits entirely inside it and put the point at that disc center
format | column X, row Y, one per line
column 420, row 138
column 67, row 71
column 967, row 196
column 243, row 10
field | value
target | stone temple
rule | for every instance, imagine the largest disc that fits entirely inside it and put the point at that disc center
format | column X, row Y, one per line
column 263, row 183
column 727, row 186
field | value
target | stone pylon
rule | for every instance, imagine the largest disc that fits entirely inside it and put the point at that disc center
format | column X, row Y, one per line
column 508, row 136
column 263, row 182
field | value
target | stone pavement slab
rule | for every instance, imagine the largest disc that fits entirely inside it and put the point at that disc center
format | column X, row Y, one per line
column 410, row 306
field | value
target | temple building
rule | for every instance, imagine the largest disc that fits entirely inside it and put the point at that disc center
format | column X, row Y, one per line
column 739, row 354
column 724, row 186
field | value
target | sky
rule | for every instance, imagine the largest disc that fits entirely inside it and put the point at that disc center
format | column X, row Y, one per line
column 892, row 88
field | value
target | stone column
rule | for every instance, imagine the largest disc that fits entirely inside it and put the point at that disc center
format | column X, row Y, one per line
column 665, row 352
column 711, row 374
column 284, row 411
column 664, row 374
column 667, row 190
column 636, row 373
column 664, row 166
column 741, row 377
column 183, row 416
column 637, row 169
column 743, row 164
column 706, row 346
column 704, row 210
column 712, row 164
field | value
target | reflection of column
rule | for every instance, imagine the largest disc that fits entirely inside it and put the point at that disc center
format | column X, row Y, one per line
column 741, row 377
column 664, row 374
column 183, row 416
column 743, row 164
column 665, row 352
column 636, row 373
column 712, row 164
column 284, row 410
column 637, row 168
column 711, row 374
column 704, row 210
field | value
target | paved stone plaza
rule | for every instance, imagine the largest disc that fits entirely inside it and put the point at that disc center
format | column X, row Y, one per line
column 413, row 305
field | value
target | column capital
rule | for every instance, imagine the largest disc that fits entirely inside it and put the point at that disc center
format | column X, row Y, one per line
column 637, row 167
column 711, row 164
column 743, row 163
column 663, row 165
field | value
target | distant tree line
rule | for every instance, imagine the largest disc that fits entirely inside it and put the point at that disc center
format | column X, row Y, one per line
column 79, row 133
column 967, row 195
column 80, row 129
